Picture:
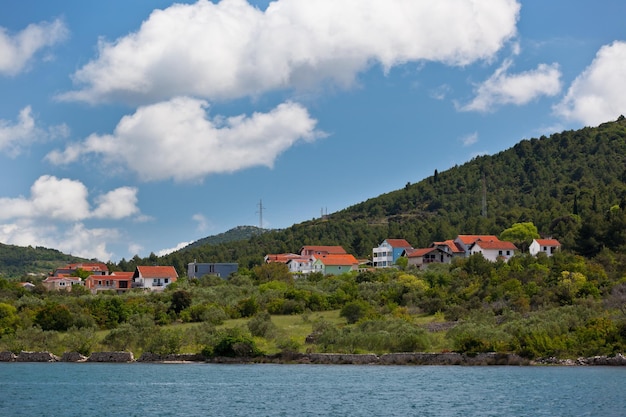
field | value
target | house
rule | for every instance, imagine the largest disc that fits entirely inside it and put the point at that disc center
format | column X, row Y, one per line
column 389, row 251
column 117, row 281
column 493, row 250
column 301, row 264
column 465, row 241
column 420, row 258
column 61, row 283
column 280, row 257
column 154, row 278
column 450, row 247
column 94, row 268
column 322, row 250
column 547, row 246
column 335, row 264
column 222, row 270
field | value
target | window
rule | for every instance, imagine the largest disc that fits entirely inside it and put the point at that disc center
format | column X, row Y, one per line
column 500, row 252
column 508, row 253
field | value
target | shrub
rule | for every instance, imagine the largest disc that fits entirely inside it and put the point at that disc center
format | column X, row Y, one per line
column 261, row 325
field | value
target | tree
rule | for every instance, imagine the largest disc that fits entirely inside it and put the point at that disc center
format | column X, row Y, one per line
column 180, row 300
column 521, row 234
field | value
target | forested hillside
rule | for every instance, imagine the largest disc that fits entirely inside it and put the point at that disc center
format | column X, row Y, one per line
column 18, row 261
column 571, row 185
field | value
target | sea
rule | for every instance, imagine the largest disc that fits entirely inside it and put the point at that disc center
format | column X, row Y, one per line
column 198, row 389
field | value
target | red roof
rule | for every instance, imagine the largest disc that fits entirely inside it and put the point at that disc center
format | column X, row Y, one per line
column 469, row 239
column 89, row 266
column 548, row 242
column 450, row 244
column 280, row 257
column 398, row 243
column 499, row 245
column 329, row 249
column 418, row 253
column 156, row 272
column 338, row 259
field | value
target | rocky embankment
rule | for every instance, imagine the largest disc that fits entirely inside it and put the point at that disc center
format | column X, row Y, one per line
column 447, row 358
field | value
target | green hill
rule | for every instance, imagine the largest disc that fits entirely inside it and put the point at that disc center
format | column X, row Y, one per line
column 18, row 261
column 571, row 185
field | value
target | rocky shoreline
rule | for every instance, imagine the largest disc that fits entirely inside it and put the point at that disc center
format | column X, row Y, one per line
column 447, row 358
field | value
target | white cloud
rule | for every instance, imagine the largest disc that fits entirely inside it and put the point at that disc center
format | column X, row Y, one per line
column 66, row 200
column 117, row 204
column 503, row 88
column 185, row 145
column 75, row 239
column 232, row 49
column 54, row 213
column 17, row 51
column 599, row 93
column 470, row 139
column 164, row 252
column 203, row 223
column 16, row 135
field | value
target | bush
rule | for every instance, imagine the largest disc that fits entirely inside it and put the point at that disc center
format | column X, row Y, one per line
column 355, row 311
column 261, row 325
column 232, row 343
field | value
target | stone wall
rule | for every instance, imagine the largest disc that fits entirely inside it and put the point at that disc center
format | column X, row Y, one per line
column 115, row 357
column 36, row 357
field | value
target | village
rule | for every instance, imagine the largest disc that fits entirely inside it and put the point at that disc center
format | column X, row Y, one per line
column 327, row 260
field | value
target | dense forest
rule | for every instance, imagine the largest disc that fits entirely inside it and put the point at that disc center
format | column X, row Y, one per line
column 571, row 186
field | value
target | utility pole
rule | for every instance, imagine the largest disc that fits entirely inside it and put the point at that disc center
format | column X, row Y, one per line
column 260, row 214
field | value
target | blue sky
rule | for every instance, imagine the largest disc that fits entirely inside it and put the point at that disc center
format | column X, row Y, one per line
column 135, row 127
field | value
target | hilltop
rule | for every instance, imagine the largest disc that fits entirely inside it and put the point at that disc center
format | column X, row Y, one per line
column 567, row 184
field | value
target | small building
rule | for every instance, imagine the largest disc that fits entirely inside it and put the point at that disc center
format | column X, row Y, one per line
column 94, row 268
column 386, row 254
column 301, row 265
column 61, row 283
column 119, row 282
column 547, row 246
column 493, row 250
column 464, row 242
column 322, row 250
column 154, row 278
column 222, row 270
column 421, row 258
column 335, row 264
column 450, row 247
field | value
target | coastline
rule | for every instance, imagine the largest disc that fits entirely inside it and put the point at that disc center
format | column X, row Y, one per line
column 417, row 358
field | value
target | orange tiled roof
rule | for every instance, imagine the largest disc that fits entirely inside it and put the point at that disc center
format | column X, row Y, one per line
column 89, row 266
column 417, row 253
column 157, row 272
column 398, row 243
column 281, row 257
column 469, row 239
column 450, row 244
column 500, row 244
column 338, row 259
column 330, row 249
column 548, row 242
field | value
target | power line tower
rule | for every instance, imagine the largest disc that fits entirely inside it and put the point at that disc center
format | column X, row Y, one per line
column 260, row 214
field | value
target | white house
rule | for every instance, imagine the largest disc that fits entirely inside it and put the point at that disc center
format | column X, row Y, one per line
column 547, row 246
column 389, row 251
column 493, row 250
column 154, row 278
column 423, row 257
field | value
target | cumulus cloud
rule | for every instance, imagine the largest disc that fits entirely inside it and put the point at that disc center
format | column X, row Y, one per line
column 54, row 215
column 17, row 51
column 599, row 93
column 75, row 239
column 232, row 49
column 504, row 88
column 185, row 145
column 16, row 135
column 67, row 200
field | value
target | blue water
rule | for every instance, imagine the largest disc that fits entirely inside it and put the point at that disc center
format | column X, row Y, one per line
column 64, row 389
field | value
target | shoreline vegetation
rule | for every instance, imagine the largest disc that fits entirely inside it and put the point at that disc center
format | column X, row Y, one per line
column 416, row 358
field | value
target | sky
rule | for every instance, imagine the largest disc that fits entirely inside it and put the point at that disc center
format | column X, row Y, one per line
column 137, row 127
